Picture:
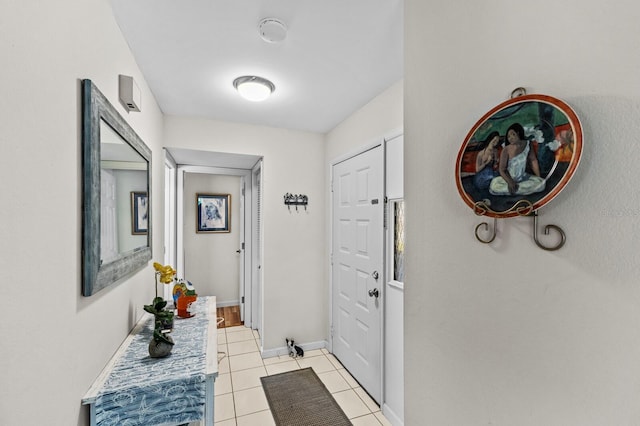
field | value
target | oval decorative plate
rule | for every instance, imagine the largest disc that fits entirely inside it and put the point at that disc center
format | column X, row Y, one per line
column 519, row 156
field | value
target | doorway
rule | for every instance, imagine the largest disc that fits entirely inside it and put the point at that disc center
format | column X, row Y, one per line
column 236, row 170
column 212, row 259
column 367, row 328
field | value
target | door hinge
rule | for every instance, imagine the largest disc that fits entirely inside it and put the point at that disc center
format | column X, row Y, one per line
column 242, row 246
column 242, row 299
column 331, row 331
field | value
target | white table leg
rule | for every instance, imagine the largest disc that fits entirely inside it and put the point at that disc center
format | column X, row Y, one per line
column 208, row 404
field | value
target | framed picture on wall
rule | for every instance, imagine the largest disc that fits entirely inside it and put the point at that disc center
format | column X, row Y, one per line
column 213, row 213
column 139, row 213
column 519, row 156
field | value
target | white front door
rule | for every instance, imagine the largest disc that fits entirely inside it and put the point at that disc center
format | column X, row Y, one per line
column 357, row 266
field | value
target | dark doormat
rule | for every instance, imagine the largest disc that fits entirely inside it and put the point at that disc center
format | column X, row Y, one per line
column 299, row 398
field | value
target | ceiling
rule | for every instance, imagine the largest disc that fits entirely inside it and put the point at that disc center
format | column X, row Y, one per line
column 224, row 160
column 336, row 57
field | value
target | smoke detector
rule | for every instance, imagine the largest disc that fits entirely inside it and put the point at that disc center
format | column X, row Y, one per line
column 272, row 30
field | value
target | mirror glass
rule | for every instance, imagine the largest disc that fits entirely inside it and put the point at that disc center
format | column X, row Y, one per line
column 123, row 196
column 116, row 228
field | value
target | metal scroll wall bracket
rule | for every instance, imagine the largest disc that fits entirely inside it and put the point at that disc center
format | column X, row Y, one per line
column 518, row 91
column 295, row 200
column 492, row 235
column 523, row 208
column 563, row 237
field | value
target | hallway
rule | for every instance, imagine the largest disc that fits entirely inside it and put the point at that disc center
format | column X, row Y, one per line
column 240, row 400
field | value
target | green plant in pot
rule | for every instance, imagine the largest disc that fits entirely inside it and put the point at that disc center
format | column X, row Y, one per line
column 163, row 318
column 162, row 343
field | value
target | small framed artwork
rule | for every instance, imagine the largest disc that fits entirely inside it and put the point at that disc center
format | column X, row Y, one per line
column 213, row 213
column 139, row 213
column 519, row 156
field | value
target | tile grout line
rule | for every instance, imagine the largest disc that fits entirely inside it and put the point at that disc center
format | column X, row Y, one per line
column 323, row 353
column 233, row 393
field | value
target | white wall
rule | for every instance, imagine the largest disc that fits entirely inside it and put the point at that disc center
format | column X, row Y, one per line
column 55, row 341
column 294, row 280
column 380, row 117
column 211, row 261
column 509, row 334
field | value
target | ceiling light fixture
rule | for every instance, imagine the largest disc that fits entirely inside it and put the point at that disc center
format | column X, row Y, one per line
column 253, row 88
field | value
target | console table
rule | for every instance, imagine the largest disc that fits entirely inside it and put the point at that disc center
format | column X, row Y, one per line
column 135, row 389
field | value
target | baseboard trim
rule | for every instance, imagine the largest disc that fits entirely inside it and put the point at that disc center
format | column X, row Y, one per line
column 227, row 303
column 393, row 418
column 283, row 350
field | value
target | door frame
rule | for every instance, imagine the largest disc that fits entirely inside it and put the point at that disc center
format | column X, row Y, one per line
column 170, row 209
column 393, row 393
column 246, row 222
column 333, row 163
column 256, row 253
column 383, row 313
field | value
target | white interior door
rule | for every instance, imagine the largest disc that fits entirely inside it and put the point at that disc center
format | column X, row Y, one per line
column 357, row 266
column 108, row 216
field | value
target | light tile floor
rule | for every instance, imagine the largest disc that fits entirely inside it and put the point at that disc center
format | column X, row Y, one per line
column 240, row 400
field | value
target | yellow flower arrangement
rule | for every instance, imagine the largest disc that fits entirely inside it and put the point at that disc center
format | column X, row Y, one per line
column 164, row 273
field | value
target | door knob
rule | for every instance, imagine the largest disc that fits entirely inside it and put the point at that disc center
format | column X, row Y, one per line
column 374, row 293
column 375, row 275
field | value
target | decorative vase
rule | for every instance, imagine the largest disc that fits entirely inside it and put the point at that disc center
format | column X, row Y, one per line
column 159, row 349
column 184, row 302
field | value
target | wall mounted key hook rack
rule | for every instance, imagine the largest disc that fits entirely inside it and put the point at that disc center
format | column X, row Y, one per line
column 296, row 200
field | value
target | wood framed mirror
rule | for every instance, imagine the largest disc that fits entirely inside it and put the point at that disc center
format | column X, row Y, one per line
column 116, row 163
